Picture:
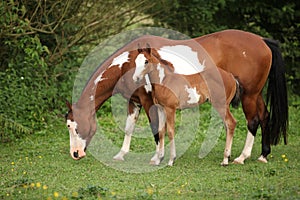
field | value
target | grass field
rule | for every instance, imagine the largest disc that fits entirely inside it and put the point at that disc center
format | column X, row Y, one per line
column 38, row 166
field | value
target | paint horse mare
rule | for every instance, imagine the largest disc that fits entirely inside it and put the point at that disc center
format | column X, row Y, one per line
column 249, row 57
column 178, row 91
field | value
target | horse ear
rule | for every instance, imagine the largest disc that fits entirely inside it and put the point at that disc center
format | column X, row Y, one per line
column 69, row 105
column 139, row 48
column 148, row 48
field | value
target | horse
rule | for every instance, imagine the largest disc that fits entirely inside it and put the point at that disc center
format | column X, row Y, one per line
column 173, row 91
column 251, row 58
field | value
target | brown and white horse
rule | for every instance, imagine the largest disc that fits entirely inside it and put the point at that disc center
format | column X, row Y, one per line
column 249, row 57
column 172, row 91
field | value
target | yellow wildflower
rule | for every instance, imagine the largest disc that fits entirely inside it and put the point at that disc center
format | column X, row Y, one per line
column 283, row 155
column 45, row 187
column 32, row 185
column 56, row 194
column 150, row 191
column 285, row 160
column 75, row 194
column 38, row 184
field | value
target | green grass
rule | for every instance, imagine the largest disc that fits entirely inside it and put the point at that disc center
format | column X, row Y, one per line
column 38, row 166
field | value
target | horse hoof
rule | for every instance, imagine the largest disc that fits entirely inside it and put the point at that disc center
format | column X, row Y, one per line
column 119, row 157
column 171, row 162
column 154, row 162
column 224, row 164
column 236, row 161
column 262, row 159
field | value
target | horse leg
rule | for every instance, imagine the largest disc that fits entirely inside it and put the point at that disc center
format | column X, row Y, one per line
column 250, row 110
column 265, row 129
column 132, row 116
column 230, row 124
column 170, row 112
column 160, row 151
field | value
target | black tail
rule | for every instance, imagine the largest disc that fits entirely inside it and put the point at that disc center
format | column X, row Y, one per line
column 277, row 95
column 238, row 93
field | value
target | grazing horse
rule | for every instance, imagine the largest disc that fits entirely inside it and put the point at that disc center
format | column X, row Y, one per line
column 178, row 91
column 249, row 57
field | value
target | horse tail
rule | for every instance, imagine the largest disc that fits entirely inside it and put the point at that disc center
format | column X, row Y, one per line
column 277, row 95
column 237, row 96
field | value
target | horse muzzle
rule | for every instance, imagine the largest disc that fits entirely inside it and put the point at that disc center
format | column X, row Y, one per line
column 77, row 154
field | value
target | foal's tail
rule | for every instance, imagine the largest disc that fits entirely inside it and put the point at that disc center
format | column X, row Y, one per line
column 277, row 95
column 238, row 93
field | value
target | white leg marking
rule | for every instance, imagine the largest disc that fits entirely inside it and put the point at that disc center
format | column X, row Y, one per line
column 129, row 128
column 159, row 154
column 246, row 153
column 125, row 148
column 262, row 159
column 172, row 152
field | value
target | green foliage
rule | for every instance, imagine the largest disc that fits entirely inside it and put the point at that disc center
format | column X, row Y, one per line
column 25, row 82
column 194, row 18
column 7, row 126
column 42, row 45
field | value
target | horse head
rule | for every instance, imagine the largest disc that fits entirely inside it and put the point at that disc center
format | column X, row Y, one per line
column 82, row 127
column 146, row 62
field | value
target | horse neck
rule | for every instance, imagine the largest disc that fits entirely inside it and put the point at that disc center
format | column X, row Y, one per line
column 99, row 88
column 155, row 72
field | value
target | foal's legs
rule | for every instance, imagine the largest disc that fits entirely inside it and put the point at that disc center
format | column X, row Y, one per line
column 132, row 116
column 160, row 151
column 230, row 124
column 250, row 109
column 170, row 112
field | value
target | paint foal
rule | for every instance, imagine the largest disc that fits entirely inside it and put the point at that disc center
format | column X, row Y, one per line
column 249, row 57
column 177, row 91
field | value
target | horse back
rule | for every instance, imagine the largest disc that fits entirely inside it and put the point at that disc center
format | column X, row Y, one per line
column 243, row 54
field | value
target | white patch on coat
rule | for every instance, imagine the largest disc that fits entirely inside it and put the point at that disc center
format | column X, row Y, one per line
column 139, row 67
column 92, row 97
column 161, row 73
column 121, row 59
column 99, row 78
column 193, row 95
column 183, row 58
column 148, row 86
column 244, row 54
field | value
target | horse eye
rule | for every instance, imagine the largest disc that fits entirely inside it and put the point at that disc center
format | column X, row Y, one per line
column 146, row 62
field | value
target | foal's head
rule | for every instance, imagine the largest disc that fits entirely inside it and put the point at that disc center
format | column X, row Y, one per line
column 148, row 61
column 82, row 127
